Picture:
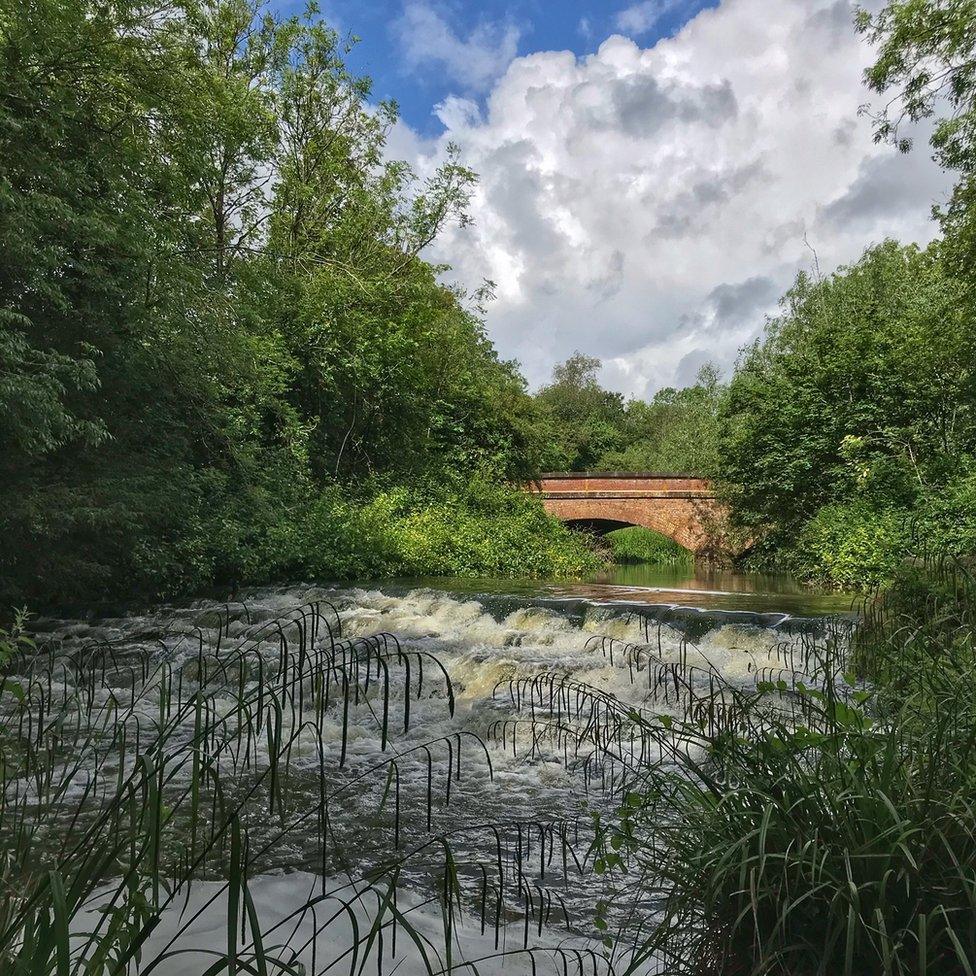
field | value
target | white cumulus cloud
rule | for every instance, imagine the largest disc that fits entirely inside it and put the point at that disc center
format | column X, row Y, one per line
column 641, row 17
column 649, row 205
column 427, row 40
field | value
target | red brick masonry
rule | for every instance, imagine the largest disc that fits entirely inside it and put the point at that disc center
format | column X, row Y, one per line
column 679, row 506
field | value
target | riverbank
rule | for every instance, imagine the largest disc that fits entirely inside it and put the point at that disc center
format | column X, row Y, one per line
column 454, row 527
column 836, row 834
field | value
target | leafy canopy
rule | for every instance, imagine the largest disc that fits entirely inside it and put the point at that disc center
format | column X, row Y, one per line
column 213, row 299
column 590, row 428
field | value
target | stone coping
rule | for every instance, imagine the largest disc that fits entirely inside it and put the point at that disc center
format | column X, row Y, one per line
column 674, row 475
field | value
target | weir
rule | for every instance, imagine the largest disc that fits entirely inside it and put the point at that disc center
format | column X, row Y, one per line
column 366, row 733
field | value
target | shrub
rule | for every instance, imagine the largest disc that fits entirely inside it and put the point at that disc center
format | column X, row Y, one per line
column 861, row 544
column 853, row 544
column 474, row 529
column 636, row 544
column 946, row 519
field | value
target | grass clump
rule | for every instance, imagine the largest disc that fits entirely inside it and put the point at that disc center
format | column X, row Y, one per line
column 636, row 544
column 824, row 825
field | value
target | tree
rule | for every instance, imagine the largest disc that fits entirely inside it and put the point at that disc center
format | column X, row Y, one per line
column 676, row 431
column 71, row 229
column 90, row 274
column 863, row 387
column 394, row 374
column 926, row 68
column 213, row 298
column 581, row 418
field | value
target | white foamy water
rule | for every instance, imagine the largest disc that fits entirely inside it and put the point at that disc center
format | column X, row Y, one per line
column 509, row 782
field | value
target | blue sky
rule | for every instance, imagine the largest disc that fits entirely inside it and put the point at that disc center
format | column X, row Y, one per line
column 384, row 28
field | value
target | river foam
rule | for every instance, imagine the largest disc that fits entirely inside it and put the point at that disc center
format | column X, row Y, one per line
column 492, row 749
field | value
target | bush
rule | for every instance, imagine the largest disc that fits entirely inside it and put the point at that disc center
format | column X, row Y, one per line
column 639, row 545
column 923, row 621
column 141, row 539
column 861, row 544
column 946, row 519
column 851, row 544
column 474, row 529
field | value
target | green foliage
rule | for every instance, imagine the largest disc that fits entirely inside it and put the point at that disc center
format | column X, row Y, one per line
column 639, row 545
column 193, row 350
column 473, row 529
column 676, row 431
column 851, row 544
column 588, row 428
column 486, row 530
column 581, row 418
column 71, row 227
column 860, row 395
column 214, row 315
column 923, row 615
column 925, row 69
column 16, row 638
column 947, row 518
column 835, row 852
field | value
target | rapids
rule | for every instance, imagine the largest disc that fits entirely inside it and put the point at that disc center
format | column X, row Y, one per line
column 476, row 739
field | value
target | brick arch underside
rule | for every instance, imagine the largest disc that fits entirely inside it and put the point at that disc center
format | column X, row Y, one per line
column 682, row 519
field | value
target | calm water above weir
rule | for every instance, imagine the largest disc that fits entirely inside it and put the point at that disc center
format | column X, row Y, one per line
column 641, row 584
column 358, row 724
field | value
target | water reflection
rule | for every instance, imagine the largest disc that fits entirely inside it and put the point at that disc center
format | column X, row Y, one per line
column 720, row 589
column 714, row 589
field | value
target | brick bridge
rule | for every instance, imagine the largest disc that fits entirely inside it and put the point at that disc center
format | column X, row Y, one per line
column 681, row 507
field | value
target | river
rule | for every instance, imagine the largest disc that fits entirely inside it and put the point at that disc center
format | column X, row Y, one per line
column 699, row 587
column 488, row 719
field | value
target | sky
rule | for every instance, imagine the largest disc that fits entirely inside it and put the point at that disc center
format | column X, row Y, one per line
column 652, row 173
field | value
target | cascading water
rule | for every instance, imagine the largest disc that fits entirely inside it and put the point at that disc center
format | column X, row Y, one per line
column 411, row 779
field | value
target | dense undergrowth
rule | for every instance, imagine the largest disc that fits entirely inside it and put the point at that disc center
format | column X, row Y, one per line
column 475, row 528
column 479, row 529
column 640, row 545
column 830, row 826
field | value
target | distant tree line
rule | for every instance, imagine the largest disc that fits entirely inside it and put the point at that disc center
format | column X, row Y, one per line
column 589, row 428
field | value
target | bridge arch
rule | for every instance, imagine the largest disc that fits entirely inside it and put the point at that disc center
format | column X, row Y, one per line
column 599, row 526
column 682, row 507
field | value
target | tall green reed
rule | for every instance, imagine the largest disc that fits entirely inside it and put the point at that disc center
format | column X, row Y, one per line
column 827, row 825
column 136, row 768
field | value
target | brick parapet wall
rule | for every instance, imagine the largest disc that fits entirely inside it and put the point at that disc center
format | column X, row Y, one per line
column 637, row 485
